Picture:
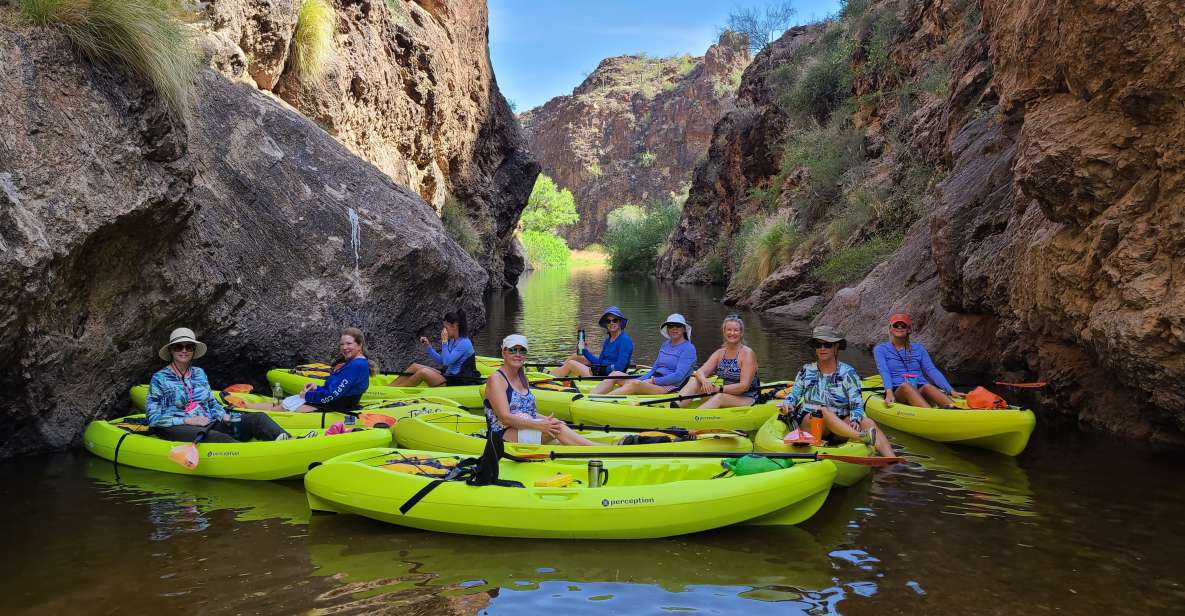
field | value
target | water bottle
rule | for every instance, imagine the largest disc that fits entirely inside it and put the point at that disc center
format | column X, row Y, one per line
column 580, row 340
column 597, row 475
column 277, row 393
column 236, row 421
column 350, row 421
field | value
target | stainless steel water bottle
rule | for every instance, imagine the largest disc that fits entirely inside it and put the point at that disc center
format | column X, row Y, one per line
column 595, row 468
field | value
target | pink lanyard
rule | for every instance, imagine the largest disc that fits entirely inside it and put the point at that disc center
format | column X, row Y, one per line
column 193, row 404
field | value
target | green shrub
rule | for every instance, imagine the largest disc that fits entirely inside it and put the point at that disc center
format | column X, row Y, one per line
column 646, row 159
column 827, row 153
column 459, row 227
column 312, row 44
column 548, row 207
column 822, row 87
column 765, row 246
column 862, row 204
column 855, row 262
column 594, row 169
column 144, row 35
column 635, row 235
column 545, row 250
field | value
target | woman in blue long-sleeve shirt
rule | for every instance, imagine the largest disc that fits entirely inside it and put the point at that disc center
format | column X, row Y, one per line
column 457, row 359
column 615, row 353
column 676, row 358
column 343, row 388
column 907, row 370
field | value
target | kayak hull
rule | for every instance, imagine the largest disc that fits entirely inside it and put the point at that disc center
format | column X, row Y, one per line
column 769, row 439
column 258, row 460
column 627, row 412
column 1006, row 431
column 641, row 498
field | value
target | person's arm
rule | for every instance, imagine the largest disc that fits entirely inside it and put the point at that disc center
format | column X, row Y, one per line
column 431, row 351
column 456, row 353
column 160, row 404
column 201, row 391
column 496, row 389
column 340, row 383
column 708, row 367
column 625, row 352
column 748, row 361
column 880, row 353
column 851, row 387
column 664, row 348
column 931, row 371
column 593, row 359
column 684, row 360
column 796, row 390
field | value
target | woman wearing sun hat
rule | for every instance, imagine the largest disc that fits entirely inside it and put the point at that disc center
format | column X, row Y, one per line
column 180, row 404
column 615, row 353
column 831, row 388
column 510, row 405
column 676, row 357
column 907, row 370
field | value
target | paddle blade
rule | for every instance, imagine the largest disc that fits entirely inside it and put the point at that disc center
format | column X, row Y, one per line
column 239, row 388
column 374, row 420
column 236, row 402
column 186, row 455
column 863, row 460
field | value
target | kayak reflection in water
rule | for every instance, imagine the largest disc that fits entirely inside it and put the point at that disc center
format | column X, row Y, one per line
column 671, row 368
column 180, row 404
column 831, row 388
column 907, row 371
column 615, row 353
column 343, row 388
column 736, row 365
column 510, row 405
column 457, row 359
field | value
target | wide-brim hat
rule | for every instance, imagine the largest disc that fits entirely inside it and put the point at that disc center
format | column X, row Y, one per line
column 827, row 333
column 182, row 334
column 675, row 318
column 612, row 311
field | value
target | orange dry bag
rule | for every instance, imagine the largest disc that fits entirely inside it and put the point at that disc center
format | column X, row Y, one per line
column 981, row 398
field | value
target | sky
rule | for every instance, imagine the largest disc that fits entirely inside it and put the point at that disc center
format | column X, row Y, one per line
column 543, row 48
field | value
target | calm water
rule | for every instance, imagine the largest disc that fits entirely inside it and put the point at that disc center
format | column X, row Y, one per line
column 1076, row 525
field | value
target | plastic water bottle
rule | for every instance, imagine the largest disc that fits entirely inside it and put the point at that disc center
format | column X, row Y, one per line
column 277, row 393
column 236, row 421
column 580, row 337
column 349, row 422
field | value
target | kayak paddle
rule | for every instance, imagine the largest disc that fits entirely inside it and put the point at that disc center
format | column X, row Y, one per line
column 861, row 460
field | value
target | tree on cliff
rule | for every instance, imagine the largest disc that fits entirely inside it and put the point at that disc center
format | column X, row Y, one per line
column 762, row 26
column 547, row 209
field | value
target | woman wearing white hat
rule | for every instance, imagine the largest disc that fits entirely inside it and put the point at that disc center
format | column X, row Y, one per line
column 510, row 405
column 671, row 368
column 180, row 404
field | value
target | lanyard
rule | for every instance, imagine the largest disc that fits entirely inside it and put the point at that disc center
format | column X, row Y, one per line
column 192, row 406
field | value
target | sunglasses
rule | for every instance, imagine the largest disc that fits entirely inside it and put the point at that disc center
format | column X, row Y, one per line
column 670, row 325
column 901, row 325
column 517, row 350
column 183, row 346
column 612, row 320
column 823, row 344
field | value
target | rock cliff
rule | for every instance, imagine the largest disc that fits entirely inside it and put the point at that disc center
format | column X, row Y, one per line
column 634, row 129
column 411, row 89
column 1048, row 249
column 243, row 220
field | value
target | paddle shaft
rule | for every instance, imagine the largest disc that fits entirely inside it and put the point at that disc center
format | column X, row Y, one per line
column 862, row 460
column 694, row 396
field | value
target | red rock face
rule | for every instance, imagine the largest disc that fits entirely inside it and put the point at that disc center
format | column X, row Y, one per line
column 633, row 131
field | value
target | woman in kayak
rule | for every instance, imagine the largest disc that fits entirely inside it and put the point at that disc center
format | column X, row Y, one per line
column 615, row 353
column 831, row 389
column 343, row 388
column 671, row 368
column 180, row 404
column 735, row 364
column 907, row 371
column 456, row 357
column 510, row 405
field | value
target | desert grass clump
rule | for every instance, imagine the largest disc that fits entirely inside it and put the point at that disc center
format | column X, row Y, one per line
column 147, row 36
column 312, row 44
column 762, row 247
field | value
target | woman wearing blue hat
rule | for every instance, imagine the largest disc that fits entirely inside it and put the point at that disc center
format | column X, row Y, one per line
column 615, row 353
column 676, row 357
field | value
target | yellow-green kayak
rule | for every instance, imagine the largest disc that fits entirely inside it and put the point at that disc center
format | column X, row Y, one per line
column 640, row 498
column 371, row 414
column 1005, row 430
column 249, row 460
column 769, row 438
column 460, row 432
column 628, row 411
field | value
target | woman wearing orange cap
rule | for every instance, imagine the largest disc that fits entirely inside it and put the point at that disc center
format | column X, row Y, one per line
column 907, row 370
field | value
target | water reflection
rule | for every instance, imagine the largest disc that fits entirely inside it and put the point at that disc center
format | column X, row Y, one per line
column 178, row 502
column 770, row 564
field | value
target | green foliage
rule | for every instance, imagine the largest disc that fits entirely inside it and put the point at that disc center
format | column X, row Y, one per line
column 548, row 207
column 312, row 44
column 855, row 262
column 685, row 64
column 884, row 27
column 459, row 227
column 762, row 247
column 594, row 169
column 646, row 159
column 635, row 235
column 144, row 35
column 545, row 250
column 827, row 153
column 823, row 86
column 762, row 26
